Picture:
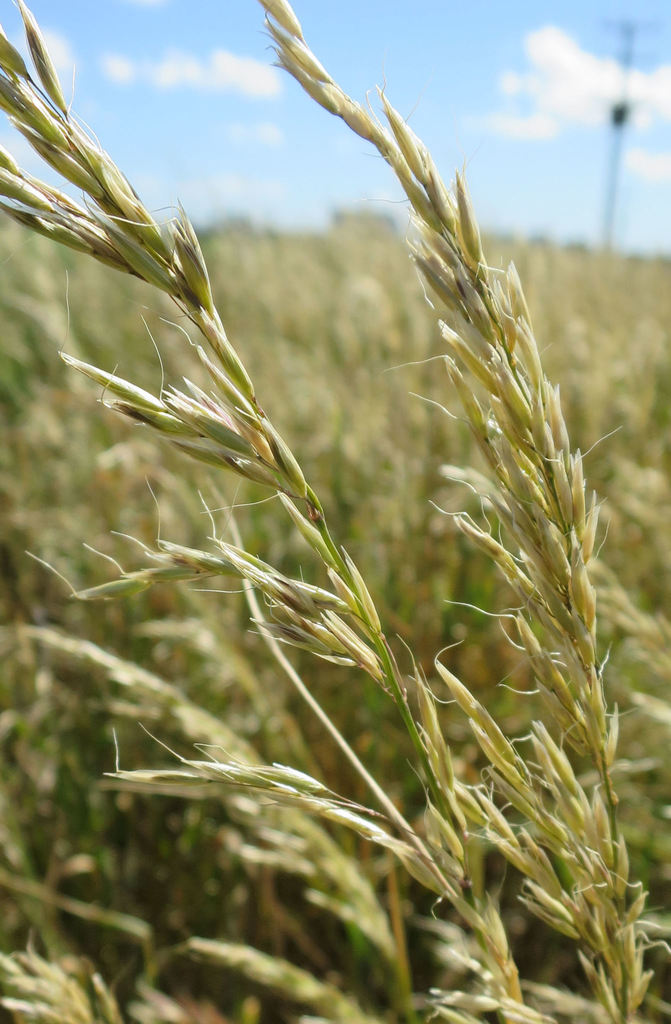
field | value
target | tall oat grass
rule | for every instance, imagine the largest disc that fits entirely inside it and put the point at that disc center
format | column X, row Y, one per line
column 457, row 850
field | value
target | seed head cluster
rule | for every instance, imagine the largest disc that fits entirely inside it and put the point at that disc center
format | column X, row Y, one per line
column 552, row 821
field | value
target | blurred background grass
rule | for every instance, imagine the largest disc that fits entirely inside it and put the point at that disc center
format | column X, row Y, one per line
column 340, row 342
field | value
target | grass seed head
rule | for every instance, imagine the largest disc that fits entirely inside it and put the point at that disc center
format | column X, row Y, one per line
column 41, row 59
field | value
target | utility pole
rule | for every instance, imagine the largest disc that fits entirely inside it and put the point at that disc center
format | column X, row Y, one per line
column 620, row 112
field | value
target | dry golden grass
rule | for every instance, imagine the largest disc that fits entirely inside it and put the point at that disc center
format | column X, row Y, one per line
column 238, row 863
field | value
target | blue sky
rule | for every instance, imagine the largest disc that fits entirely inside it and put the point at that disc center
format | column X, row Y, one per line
column 181, row 94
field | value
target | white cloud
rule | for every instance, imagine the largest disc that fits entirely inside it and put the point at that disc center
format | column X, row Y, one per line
column 264, row 133
column 118, row 69
column 212, row 197
column 654, row 167
column 567, row 81
column 221, row 71
column 510, row 83
column 565, row 84
column 61, row 52
column 224, row 195
column 524, row 126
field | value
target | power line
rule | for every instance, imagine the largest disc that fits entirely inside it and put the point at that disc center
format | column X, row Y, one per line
column 620, row 114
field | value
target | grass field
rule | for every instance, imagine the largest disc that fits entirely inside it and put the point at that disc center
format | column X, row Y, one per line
column 202, row 904
column 330, row 321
